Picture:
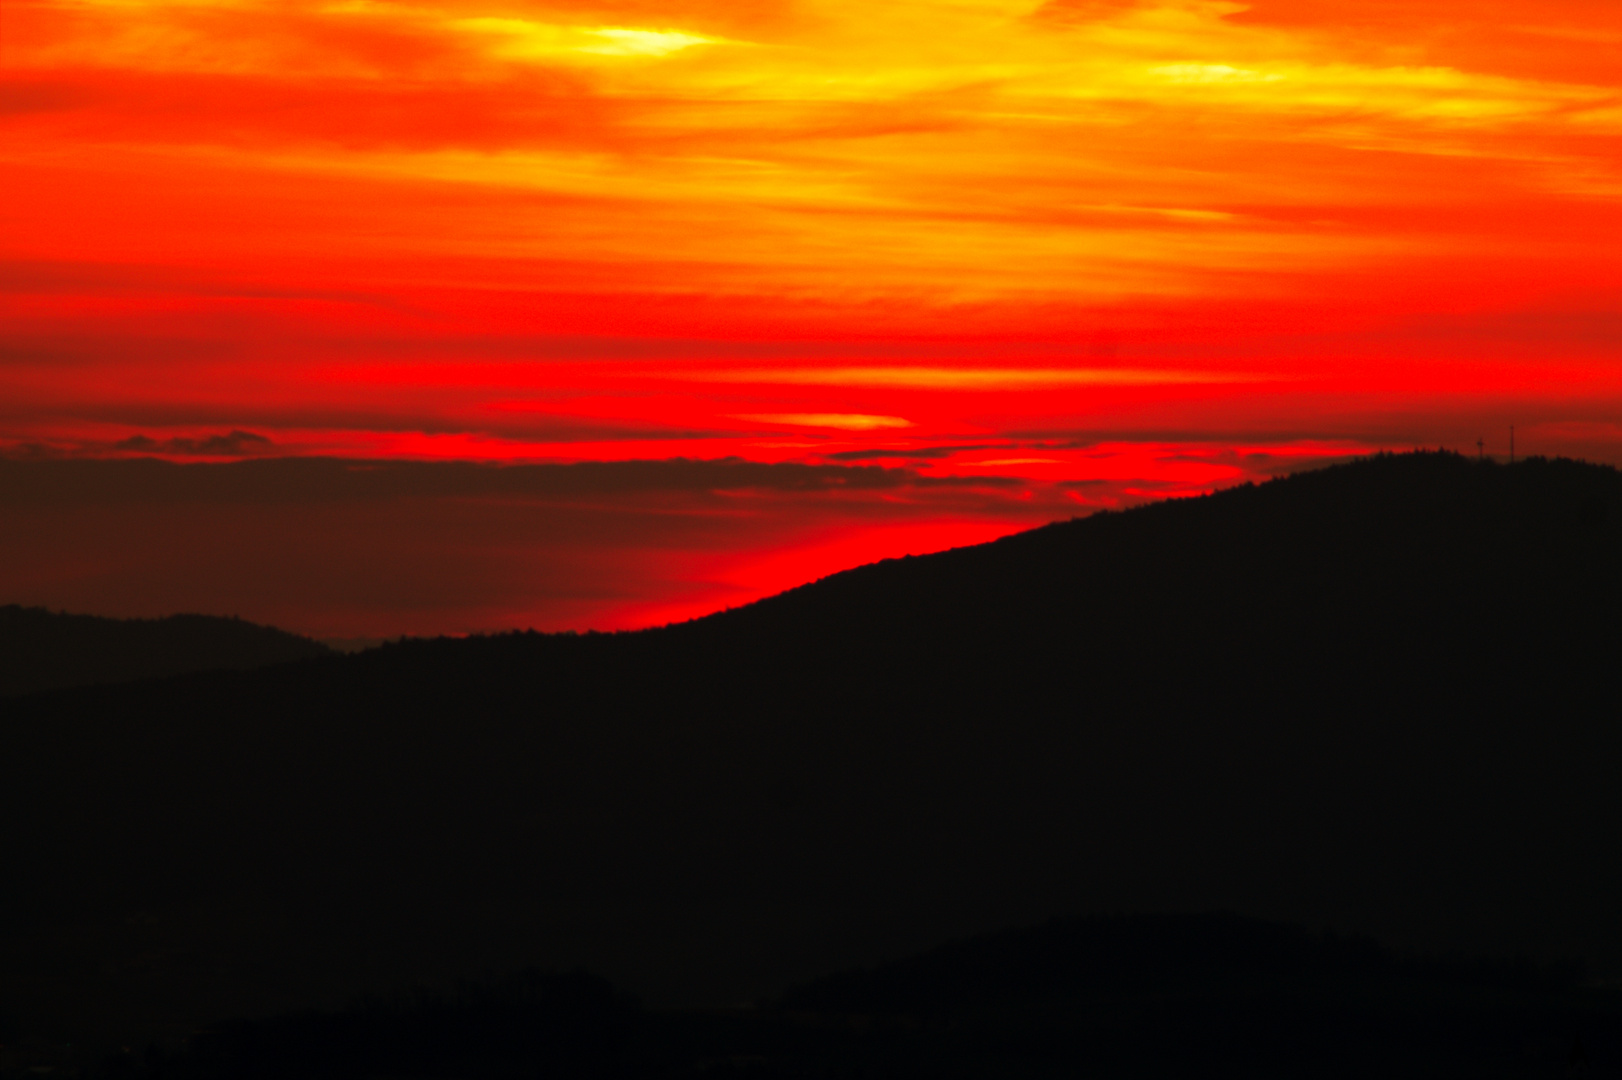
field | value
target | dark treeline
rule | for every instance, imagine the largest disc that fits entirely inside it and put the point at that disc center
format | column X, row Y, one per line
column 46, row 650
column 1382, row 697
column 1123, row 996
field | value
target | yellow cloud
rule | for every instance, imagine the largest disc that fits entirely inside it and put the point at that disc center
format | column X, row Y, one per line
column 523, row 39
column 1204, row 74
column 841, row 421
column 622, row 42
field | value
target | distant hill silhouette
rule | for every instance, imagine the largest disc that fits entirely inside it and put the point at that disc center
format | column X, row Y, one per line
column 1382, row 697
column 1208, row 995
column 46, row 650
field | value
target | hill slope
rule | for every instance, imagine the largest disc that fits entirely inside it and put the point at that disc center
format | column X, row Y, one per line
column 1381, row 697
column 45, row 650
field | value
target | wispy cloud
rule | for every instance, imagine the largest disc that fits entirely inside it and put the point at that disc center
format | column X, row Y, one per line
column 839, row 421
column 961, row 378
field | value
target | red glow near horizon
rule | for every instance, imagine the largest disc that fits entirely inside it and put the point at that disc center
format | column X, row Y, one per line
column 1095, row 251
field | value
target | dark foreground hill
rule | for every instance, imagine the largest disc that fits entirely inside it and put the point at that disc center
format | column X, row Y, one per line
column 45, row 650
column 1148, row 996
column 1382, row 697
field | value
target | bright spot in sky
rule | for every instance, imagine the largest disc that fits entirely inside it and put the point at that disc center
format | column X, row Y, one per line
column 523, row 39
column 842, row 421
column 1214, row 73
column 619, row 42
column 1015, row 461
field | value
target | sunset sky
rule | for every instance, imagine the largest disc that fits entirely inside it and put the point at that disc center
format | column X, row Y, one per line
column 811, row 282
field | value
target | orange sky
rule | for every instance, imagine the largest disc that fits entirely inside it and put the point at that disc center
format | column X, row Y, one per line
column 1053, row 245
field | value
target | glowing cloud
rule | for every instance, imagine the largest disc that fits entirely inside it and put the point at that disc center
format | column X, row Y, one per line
column 621, row 42
column 841, row 421
column 963, row 378
column 522, row 39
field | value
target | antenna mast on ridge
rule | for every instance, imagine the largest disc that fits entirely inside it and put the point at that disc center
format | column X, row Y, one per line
column 1512, row 444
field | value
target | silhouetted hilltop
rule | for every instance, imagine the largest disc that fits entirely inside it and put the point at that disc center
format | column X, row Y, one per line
column 1111, row 996
column 46, row 650
column 1382, row 698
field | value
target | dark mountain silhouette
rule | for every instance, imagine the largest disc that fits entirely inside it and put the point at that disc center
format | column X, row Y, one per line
column 1382, row 697
column 46, row 650
column 1112, row 996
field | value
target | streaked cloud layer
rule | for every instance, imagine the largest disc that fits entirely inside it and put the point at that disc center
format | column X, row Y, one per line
column 791, row 231
column 926, row 153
